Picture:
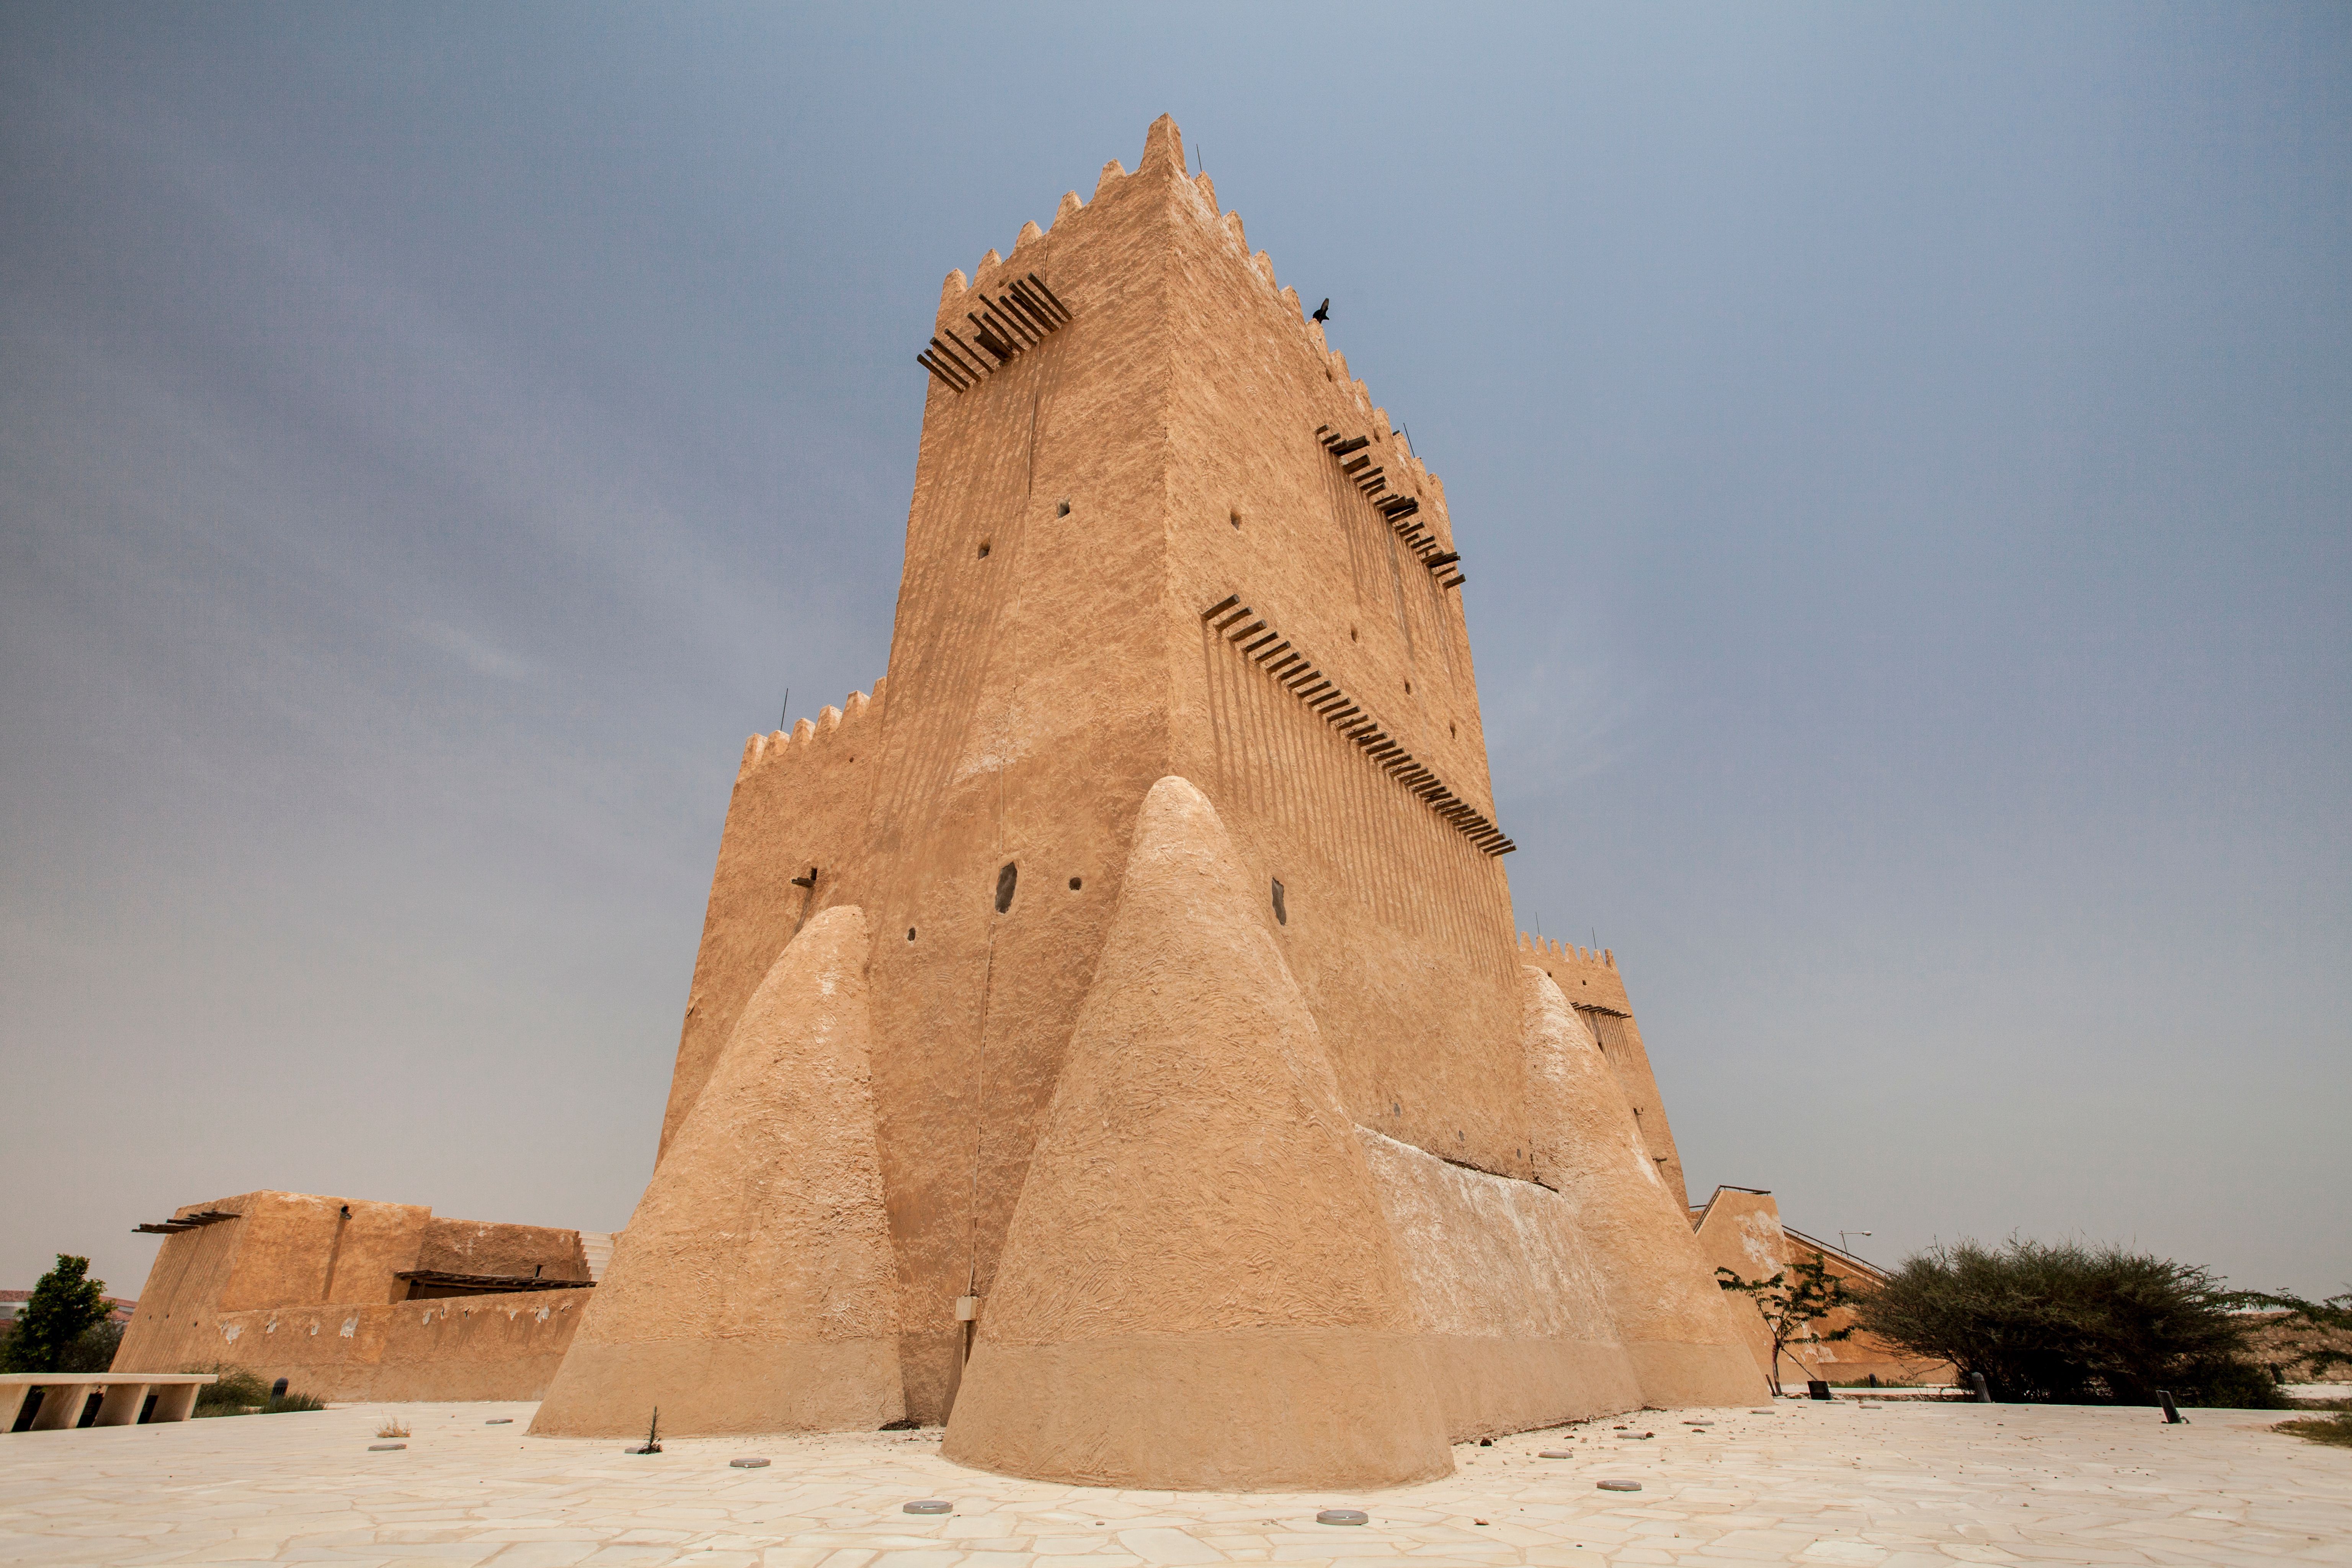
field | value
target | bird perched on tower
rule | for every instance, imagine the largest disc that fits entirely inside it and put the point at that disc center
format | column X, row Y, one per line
column 1323, row 311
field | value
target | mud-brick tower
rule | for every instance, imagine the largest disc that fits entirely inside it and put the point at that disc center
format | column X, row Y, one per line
column 1110, row 1036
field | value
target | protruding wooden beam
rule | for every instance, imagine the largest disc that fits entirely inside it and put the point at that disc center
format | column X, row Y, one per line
column 1051, row 297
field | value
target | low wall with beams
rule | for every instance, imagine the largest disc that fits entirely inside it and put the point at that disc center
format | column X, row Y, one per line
column 505, row 1346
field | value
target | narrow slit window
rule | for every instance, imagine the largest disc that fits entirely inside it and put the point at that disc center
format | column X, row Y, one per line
column 1005, row 880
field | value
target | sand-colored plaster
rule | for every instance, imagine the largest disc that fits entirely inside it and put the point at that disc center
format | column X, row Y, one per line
column 1677, row 1327
column 507, row 1251
column 753, row 1290
column 285, row 1250
column 462, row 1347
column 799, row 805
column 307, row 1288
column 1163, row 445
column 1587, row 977
column 1200, row 1288
column 1507, row 1304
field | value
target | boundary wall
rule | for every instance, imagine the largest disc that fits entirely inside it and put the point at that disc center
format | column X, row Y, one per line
column 309, row 1288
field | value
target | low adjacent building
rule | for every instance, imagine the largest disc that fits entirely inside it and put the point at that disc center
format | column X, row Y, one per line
column 348, row 1299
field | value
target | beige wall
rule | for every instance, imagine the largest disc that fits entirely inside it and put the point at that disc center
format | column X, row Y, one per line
column 1036, row 693
column 1155, row 455
column 509, row 1251
column 213, row 1291
column 1589, row 981
column 462, row 1347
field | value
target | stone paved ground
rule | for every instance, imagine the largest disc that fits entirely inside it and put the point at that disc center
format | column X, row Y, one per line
column 1904, row 1484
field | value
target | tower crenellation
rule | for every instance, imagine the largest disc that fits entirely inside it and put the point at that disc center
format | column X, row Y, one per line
column 776, row 744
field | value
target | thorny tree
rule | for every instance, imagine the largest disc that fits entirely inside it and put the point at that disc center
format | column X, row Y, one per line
column 1791, row 1310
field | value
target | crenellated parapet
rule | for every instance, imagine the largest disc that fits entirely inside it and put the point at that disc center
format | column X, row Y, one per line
column 1587, row 975
column 859, row 712
column 1009, row 303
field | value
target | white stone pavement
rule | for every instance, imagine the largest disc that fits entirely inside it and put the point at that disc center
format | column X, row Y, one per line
column 1902, row 1485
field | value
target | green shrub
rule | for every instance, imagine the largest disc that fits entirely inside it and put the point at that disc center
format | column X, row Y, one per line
column 2235, row 1384
column 93, row 1349
column 2073, row 1324
column 241, row 1392
column 237, row 1388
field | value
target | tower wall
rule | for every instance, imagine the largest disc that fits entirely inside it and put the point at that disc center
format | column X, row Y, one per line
column 1587, row 977
column 1158, row 446
column 800, row 804
column 307, row 1288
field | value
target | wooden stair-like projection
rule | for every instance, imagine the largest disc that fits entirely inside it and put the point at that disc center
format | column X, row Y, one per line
column 1024, row 314
column 1396, row 509
column 1262, row 644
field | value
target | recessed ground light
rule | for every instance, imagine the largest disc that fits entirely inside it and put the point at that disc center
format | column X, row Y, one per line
column 1341, row 1516
column 927, row 1505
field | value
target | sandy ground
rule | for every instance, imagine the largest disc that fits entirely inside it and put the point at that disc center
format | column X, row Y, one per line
column 1901, row 1483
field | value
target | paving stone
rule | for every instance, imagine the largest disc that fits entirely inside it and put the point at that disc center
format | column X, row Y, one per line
column 1913, row 1485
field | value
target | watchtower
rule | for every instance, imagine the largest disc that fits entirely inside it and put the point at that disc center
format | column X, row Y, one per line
column 1180, row 1105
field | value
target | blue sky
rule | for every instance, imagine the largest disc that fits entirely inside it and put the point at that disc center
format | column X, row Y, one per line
column 1906, row 453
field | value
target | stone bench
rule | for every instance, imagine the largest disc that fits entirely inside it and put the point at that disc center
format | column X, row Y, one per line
column 66, row 1394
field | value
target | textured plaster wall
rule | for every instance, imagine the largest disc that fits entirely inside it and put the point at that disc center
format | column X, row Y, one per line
column 1513, row 1322
column 800, row 803
column 1074, row 513
column 1199, row 1289
column 754, row 1287
column 213, row 1292
column 461, row 1347
column 1589, row 981
column 513, row 1251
